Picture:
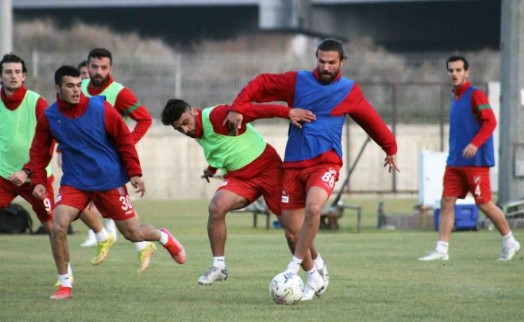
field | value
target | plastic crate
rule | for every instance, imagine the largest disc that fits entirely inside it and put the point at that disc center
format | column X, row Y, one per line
column 466, row 217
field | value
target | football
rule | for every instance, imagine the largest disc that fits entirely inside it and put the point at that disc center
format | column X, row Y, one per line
column 286, row 288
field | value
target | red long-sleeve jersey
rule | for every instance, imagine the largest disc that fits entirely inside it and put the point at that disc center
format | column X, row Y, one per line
column 127, row 104
column 114, row 125
column 281, row 87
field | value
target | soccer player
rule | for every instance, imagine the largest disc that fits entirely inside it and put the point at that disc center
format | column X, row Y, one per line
column 100, row 82
column 251, row 167
column 19, row 110
column 99, row 158
column 471, row 126
column 313, row 154
column 82, row 67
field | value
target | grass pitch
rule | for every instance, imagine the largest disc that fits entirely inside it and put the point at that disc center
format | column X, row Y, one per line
column 375, row 275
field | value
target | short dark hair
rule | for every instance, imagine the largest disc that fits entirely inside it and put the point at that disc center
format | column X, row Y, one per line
column 12, row 58
column 457, row 58
column 331, row 44
column 65, row 70
column 100, row 53
column 173, row 110
column 83, row 63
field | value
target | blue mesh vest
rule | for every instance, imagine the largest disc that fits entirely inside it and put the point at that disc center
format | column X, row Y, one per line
column 89, row 159
column 325, row 132
column 463, row 126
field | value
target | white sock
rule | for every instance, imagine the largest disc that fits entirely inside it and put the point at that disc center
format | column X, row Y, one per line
column 442, row 247
column 219, row 261
column 139, row 246
column 294, row 265
column 509, row 240
column 110, row 225
column 69, row 269
column 102, row 235
column 65, row 280
column 319, row 262
column 163, row 238
column 91, row 234
column 312, row 272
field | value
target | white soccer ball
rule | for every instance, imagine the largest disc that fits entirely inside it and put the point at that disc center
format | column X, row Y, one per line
column 286, row 288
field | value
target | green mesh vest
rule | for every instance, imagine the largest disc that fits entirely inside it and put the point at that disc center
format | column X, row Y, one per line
column 111, row 92
column 226, row 152
column 17, row 129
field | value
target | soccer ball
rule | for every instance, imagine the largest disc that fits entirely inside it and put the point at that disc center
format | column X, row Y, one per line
column 286, row 288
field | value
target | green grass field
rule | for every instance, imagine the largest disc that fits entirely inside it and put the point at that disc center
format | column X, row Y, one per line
column 375, row 275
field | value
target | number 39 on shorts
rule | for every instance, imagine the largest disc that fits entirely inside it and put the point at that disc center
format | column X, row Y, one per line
column 329, row 177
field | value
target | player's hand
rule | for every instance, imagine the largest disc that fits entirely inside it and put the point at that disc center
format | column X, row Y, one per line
column 390, row 162
column 39, row 191
column 234, row 120
column 139, row 185
column 469, row 151
column 299, row 115
column 207, row 174
column 18, row 178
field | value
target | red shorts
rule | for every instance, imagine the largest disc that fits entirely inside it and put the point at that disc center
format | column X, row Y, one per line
column 267, row 183
column 113, row 204
column 458, row 181
column 43, row 208
column 297, row 183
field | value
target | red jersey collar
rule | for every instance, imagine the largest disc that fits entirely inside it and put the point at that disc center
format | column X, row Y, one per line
column 461, row 89
column 72, row 110
column 198, row 124
column 13, row 101
column 316, row 75
column 97, row 90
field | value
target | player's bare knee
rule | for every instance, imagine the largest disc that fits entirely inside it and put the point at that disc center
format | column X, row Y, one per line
column 132, row 235
column 59, row 230
column 216, row 212
column 313, row 210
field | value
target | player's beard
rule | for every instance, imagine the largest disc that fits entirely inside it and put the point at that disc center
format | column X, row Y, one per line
column 98, row 81
column 327, row 77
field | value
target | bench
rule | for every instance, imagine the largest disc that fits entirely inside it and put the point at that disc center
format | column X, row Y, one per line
column 257, row 208
column 514, row 209
column 331, row 214
column 328, row 219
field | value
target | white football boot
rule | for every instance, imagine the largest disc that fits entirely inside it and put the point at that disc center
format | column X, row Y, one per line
column 214, row 274
column 434, row 256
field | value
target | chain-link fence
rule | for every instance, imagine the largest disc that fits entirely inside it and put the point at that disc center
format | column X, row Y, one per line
column 414, row 83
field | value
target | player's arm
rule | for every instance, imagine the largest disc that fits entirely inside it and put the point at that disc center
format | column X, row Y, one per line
column 40, row 152
column 264, row 88
column 118, row 131
column 41, row 105
column 482, row 109
column 128, row 105
column 362, row 112
column 295, row 115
